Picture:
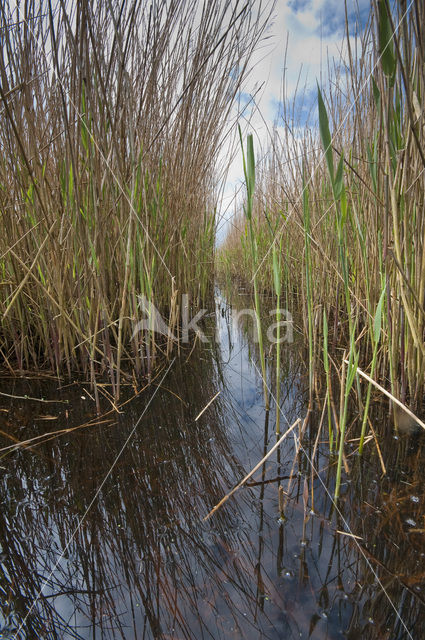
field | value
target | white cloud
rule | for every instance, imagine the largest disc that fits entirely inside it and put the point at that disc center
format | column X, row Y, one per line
column 311, row 32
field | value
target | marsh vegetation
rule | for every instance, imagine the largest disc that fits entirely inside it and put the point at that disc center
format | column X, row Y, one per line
column 130, row 505
column 111, row 121
column 338, row 222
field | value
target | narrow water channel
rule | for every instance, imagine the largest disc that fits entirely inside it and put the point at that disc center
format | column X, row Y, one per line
column 102, row 532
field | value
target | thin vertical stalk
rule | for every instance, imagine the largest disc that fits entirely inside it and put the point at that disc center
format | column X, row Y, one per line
column 249, row 172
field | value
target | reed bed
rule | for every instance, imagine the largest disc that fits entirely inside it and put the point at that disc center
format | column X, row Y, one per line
column 341, row 199
column 112, row 116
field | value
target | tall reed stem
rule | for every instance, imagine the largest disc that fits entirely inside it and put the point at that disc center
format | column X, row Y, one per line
column 249, row 172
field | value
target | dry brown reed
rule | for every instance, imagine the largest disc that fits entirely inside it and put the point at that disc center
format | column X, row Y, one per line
column 111, row 120
column 376, row 227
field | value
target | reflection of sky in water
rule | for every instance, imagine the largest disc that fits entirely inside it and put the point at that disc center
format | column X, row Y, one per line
column 243, row 384
column 144, row 565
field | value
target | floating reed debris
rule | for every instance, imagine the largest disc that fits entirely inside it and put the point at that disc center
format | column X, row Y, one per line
column 251, row 473
column 207, row 405
column 401, row 407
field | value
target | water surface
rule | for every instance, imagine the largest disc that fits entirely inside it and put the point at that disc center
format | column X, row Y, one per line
column 102, row 532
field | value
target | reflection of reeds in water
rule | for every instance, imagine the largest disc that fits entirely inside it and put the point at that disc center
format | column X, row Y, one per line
column 144, row 563
column 359, row 597
column 378, row 538
column 142, row 557
column 140, row 537
column 387, row 513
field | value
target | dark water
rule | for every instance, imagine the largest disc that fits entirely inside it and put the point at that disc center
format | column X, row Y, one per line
column 102, row 532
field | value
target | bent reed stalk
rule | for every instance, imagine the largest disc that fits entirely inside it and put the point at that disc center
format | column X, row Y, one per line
column 352, row 186
column 112, row 116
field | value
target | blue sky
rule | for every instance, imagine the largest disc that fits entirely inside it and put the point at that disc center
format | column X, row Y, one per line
column 312, row 32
